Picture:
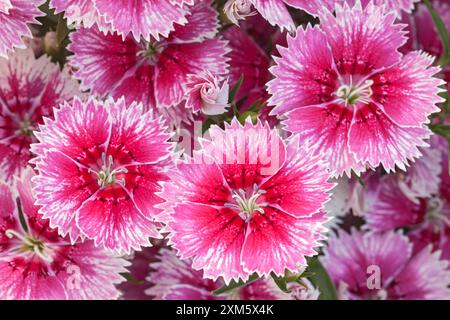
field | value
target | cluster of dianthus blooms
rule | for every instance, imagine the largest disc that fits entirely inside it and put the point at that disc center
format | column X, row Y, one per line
column 224, row 149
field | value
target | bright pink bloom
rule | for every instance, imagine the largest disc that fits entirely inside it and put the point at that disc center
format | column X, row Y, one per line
column 29, row 90
column 347, row 89
column 351, row 259
column 174, row 279
column 154, row 73
column 254, row 207
column 207, row 93
column 36, row 263
column 99, row 167
column 14, row 16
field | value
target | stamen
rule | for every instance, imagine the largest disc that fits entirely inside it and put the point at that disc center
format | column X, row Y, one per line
column 106, row 175
column 10, row 233
column 246, row 206
column 354, row 94
column 435, row 213
column 38, row 247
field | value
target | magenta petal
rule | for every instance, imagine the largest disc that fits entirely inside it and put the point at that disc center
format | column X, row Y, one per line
column 112, row 220
column 136, row 134
column 102, row 61
column 359, row 47
column 78, row 129
column 276, row 241
column 60, row 189
column 98, row 272
column 247, row 59
column 299, row 187
column 179, row 60
column 389, row 208
column 8, row 218
column 145, row 18
column 375, row 139
column 14, row 24
column 202, row 23
column 275, row 12
column 213, row 237
column 304, row 74
column 408, row 91
column 326, row 127
column 388, row 251
column 28, row 279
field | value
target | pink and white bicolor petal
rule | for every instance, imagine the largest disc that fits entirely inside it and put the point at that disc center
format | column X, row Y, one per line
column 326, row 128
column 411, row 85
column 80, row 13
column 213, row 237
column 276, row 241
column 202, row 23
column 304, row 74
column 275, row 12
column 146, row 18
column 362, row 39
column 375, row 139
column 298, row 188
column 177, row 61
column 14, row 17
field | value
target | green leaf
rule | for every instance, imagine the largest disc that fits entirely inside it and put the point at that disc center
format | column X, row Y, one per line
column 443, row 33
column 321, row 280
column 131, row 279
column 234, row 285
column 281, row 282
column 235, row 89
column 22, row 219
column 62, row 29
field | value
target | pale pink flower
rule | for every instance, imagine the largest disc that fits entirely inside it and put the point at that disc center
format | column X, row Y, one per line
column 36, row 263
column 14, row 17
column 154, row 73
column 29, row 89
column 345, row 87
column 100, row 164
column 236, row 10
column 207, row 93
column 246, row 203
column 382, row 266
column 174, row 279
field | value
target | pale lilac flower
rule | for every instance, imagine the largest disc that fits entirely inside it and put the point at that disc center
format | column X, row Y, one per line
column 382, row 266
